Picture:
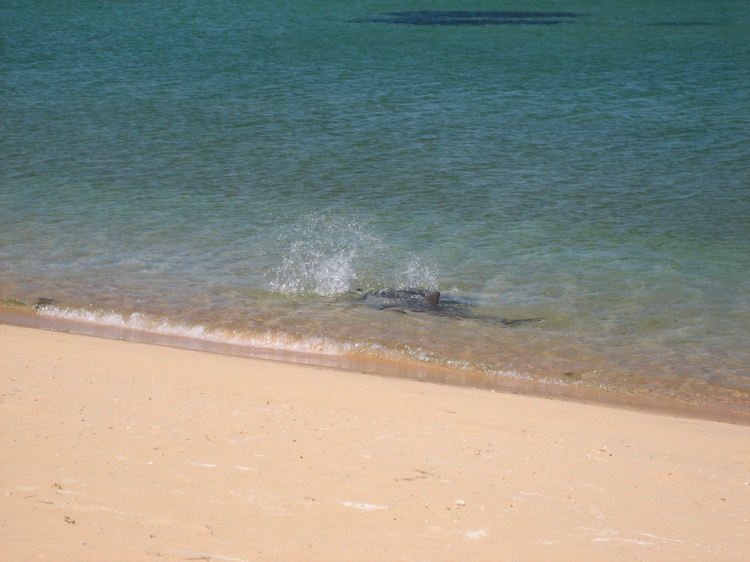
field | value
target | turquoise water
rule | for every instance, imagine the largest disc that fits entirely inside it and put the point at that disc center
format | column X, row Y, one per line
column 237, row 171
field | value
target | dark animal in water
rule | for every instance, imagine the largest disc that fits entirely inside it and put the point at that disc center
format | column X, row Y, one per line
column 417, row 300
column 403, row 299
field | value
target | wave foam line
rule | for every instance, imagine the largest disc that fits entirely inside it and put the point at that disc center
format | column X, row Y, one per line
column 339, row 353
column 142, row 322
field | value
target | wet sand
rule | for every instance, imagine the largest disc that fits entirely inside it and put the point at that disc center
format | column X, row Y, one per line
column 115, row 450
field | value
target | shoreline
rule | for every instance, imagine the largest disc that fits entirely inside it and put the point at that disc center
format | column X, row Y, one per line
column 28, row 317
column 121, row 451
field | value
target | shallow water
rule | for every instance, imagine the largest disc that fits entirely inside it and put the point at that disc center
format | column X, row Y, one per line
column 238, row 175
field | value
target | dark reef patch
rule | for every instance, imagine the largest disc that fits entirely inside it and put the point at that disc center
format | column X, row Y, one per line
column 458, row 17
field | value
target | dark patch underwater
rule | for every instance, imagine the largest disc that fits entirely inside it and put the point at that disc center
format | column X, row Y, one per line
column 457, row 17
column 681, row 24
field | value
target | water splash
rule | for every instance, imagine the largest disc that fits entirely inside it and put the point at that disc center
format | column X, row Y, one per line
column 328, row 255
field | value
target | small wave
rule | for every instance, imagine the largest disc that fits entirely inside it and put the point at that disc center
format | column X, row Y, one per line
column 146, row 323
column 402, row 360
column 401, row 357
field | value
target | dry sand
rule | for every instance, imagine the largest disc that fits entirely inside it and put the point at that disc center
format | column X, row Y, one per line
column 125, row 451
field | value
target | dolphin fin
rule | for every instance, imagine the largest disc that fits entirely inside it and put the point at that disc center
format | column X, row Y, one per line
column 432, row 298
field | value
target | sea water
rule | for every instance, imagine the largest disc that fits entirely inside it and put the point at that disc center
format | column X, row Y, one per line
column 245, row 172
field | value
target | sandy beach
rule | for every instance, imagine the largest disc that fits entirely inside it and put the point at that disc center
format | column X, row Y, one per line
column 114, row 450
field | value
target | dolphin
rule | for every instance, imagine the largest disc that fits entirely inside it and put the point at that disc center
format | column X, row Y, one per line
column 420, row 300
column 403, row 299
